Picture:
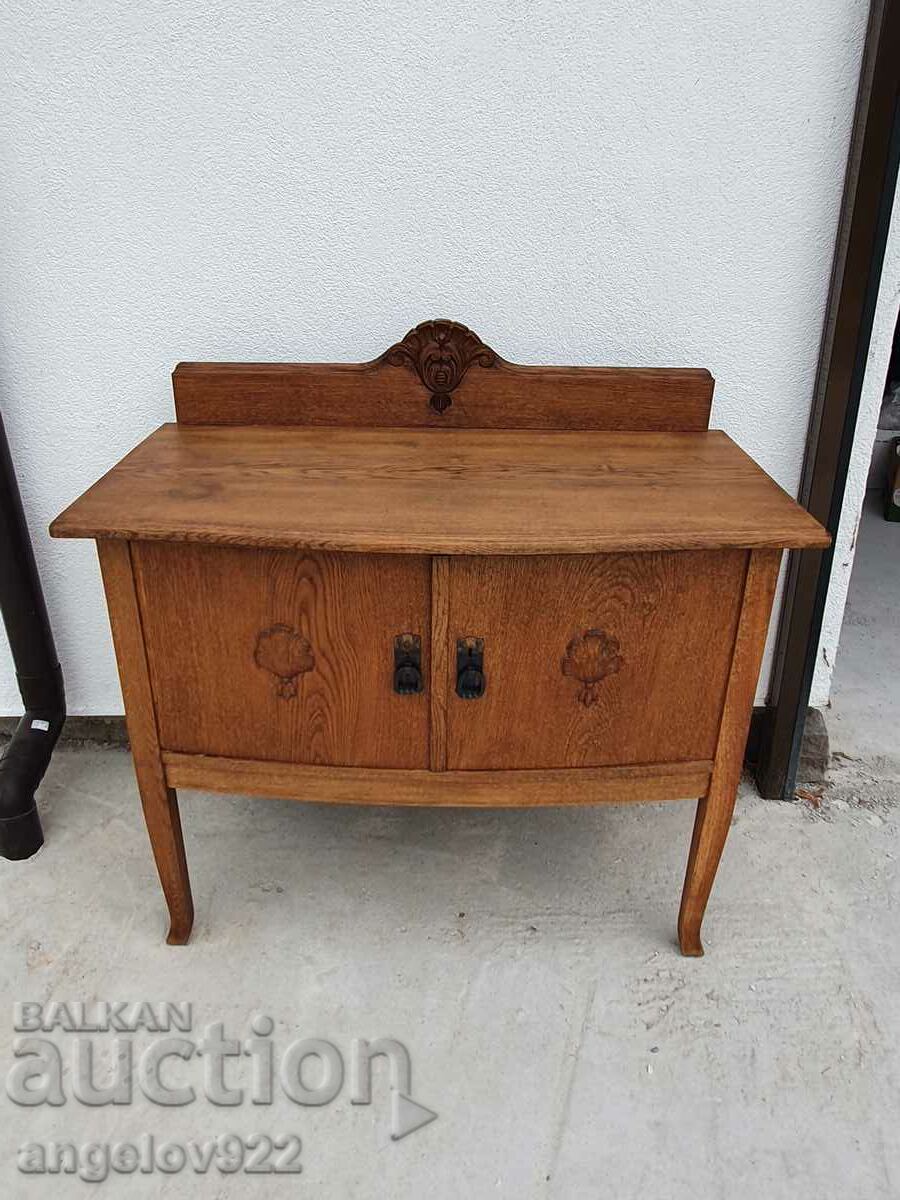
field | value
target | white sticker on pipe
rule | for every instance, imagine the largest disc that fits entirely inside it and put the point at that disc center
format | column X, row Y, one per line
column 42, row 725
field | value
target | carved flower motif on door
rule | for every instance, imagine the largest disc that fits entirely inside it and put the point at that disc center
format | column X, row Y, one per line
column 286, row 654
column 589, row 658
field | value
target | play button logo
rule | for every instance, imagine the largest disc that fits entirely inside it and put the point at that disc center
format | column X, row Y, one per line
column 407, row 1115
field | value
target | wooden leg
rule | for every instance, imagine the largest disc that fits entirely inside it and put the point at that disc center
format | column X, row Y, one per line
column 710, row 831
column 714, row 810
column 161, row 815
column 159, row 801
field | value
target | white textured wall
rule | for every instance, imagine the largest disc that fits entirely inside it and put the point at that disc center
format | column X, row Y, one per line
column 623, row 182
column 860, row 458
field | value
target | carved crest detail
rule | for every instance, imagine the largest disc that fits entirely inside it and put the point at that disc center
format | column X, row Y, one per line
column 589, row 658
column 440, row 353
column 286, row 654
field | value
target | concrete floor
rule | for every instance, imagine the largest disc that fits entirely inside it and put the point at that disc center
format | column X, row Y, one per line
column 525, row 959
column 527, row 962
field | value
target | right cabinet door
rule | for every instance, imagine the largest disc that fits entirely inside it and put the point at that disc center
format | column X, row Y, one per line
column 593, row 660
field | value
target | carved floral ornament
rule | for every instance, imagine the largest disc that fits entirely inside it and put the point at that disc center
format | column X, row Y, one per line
column 440, row 353
column 286, row 654
column 589, row 658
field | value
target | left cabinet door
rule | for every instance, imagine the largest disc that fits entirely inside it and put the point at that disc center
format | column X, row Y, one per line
column 284, row 655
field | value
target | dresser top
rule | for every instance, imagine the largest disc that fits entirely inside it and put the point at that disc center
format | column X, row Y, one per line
column 441, row 491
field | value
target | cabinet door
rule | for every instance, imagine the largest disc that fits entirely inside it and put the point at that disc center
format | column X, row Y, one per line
column 593, row 660
column 285, row 656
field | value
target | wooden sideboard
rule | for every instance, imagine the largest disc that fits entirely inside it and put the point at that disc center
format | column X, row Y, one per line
column 439, row 578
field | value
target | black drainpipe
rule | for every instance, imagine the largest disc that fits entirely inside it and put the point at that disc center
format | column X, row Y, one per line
column 37, row 671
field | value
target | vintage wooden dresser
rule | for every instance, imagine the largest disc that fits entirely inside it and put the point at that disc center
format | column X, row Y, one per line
column 439, row 578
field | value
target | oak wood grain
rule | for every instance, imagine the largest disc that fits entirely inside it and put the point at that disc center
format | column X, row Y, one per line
column 441, row 491
column 616, row 557
column 158, row 798
column 440, row 659
column 462, row 789
column 442, row 375
column 670, row 619
column 715, row 808
column 204, row 610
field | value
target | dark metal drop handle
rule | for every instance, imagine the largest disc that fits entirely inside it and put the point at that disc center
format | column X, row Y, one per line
column 408, row 664
column 470, row 679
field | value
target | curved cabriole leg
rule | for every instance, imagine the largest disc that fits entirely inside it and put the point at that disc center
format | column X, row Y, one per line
column 710, row 831
column 158, row 800
column 714, row 810
column 163, row 821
